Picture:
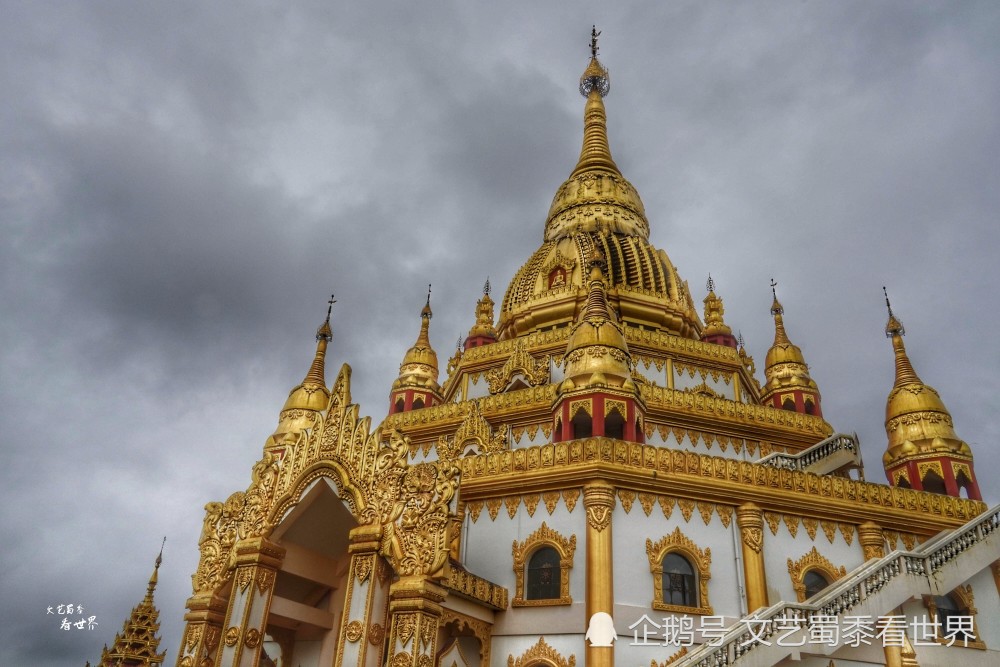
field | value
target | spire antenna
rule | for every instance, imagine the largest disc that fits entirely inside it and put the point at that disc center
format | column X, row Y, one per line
column 486, row 287
column 893, row 326
column 710, row 285
column 594, row 34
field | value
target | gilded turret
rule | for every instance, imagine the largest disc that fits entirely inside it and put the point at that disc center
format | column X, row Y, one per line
column 311, row 396
column 788, row 385
column 597, row 212
column 923, row 450
column 136, row 644
column 597, row 355
column 716, row 330
column 598, row 395
column 417, row 385
column 482, row 332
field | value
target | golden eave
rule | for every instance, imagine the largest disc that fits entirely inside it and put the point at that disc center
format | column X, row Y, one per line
column 706, row 478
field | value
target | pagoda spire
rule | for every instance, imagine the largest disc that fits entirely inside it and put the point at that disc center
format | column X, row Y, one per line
column 595, row 84
column 716, row 330
column 923, row 451
column 308, row 398
column 137, row 643
column 483, row 331
column 788, row 385
column 417, row 384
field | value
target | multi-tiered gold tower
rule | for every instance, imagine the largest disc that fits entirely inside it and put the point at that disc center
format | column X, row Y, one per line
column 599, row 460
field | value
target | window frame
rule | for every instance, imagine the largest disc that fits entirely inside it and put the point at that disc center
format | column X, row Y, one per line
column 700, row 561
column 522, row 552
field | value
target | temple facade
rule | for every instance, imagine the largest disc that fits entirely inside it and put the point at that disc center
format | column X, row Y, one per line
column 598, row 476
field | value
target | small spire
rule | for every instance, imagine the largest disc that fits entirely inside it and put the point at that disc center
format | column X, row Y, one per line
column 486, row 287
column 426, row 311
column 324, row 335
column 776, row 308
column 893, row 326
column 595, row 84
column 739, row 339
column 458, row 344
column 154, row 577
column 710, row 284
column 894, row 329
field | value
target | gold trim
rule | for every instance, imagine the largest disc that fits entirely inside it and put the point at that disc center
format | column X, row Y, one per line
column 541, row 652
column 701, row 559
column 522, row 551
column 812, row 560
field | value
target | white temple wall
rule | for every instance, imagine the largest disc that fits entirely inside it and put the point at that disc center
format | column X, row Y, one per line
column 781, row 546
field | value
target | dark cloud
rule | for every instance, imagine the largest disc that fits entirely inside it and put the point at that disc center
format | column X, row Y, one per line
column 182, row 186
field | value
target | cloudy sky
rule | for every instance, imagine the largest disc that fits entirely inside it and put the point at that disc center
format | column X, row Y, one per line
column 183, row 184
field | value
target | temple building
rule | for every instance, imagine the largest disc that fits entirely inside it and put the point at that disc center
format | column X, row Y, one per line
column 597, row 477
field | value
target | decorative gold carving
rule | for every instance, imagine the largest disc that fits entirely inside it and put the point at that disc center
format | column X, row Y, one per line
column 475, row 432
column 522, row 551
column 401, row 659
column 406, row 626
column 772, row 519
column 829, row 529
column 534, row 371
column 376, row 633
column 872, row 540
column 482, row 631
column 847, row 530
column 541, row 653
column 909, row 540
column 252, row 638
column 512, row 503
column 493, row 507
column 599, row 500
column 892, row 538
column 811, row 525
column 700, row 559
column 925, row 467
column 706, row 509
column 570, row 497
column 265, row 579
column 627, row 497
column 551, row 499
column 812, row 560
column 531, row 502
column 670, row 660
column 583, row 404
column 354, row 631
column 792, row 524
column 687, row 508
column 471, row 586
column 244, row 575
column 647, row 500
column 475, row 507
column 725, row 514
column 232, row 635
column 666, row 505
column 751, row 524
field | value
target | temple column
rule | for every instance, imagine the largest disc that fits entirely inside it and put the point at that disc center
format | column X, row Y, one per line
column 257, row 563
column 415, row 607
column 872, row 543
column 362, row 628
column 750, row 520
column 599, row 501
column 206, row 613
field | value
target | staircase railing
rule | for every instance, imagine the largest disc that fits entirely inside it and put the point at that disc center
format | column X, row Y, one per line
column 838, row 442
column 860, row 588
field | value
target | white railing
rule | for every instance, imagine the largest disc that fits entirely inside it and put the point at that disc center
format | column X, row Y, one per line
column 861, row 588
column 838, row 442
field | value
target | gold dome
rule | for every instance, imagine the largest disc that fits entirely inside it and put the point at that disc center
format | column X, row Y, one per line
column 596, row 353
column 597, row 212
column 420, row 364
column 916, row 419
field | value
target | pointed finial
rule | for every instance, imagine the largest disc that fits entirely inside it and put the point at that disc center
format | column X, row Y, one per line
column 486, row 287
column 893, row 326
column 159, row 558
column 595, row 77
column 776, row 308
column 739, row 338
column 458, row 345
column 324, row 332
column 426, row 310
column 594, row 34
column 710, row 285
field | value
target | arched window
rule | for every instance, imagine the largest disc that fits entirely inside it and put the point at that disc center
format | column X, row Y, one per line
column 543, row 575
column 810, row 408
column 399, row 404
column 614, row 425
column 417, row 403
column 679, row 581
column 541, row 568
column 788, row 404
column 956, row 617
column 933, row 483
column 812, row 573
column 814, row 582
column 680, row 574
column 582, row 425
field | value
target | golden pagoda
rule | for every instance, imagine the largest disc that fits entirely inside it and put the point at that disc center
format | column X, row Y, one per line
column 136, row 644
column 599, row 478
